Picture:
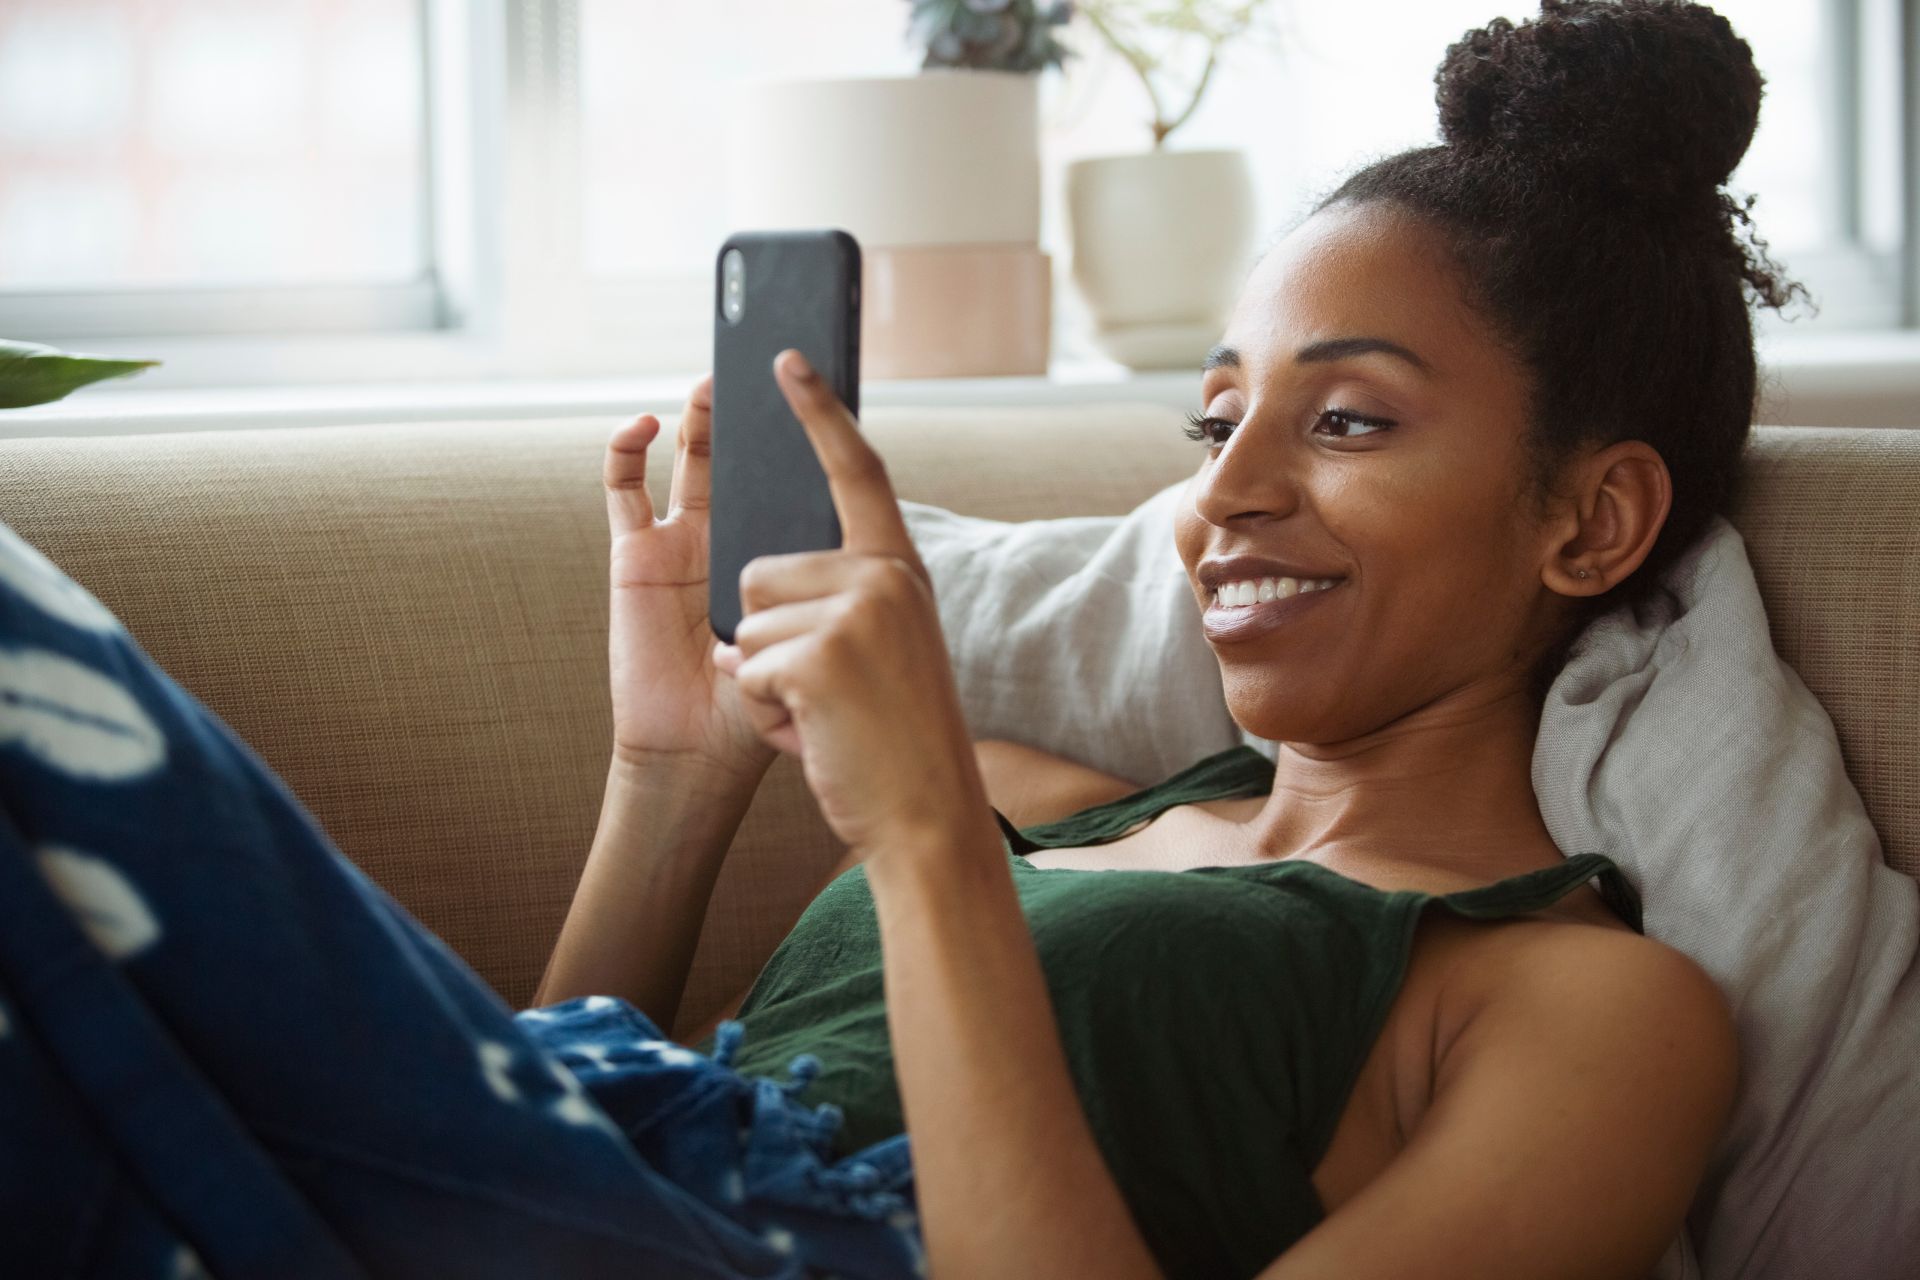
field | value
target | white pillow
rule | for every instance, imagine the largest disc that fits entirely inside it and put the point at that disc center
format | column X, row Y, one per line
column 1079, row 636
column 1676, row 742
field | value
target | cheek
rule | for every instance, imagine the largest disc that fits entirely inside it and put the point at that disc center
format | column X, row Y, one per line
column 1441, row 544
column 1189, row 535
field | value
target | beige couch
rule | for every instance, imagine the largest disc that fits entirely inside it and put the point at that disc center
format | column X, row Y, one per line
column 409, row 624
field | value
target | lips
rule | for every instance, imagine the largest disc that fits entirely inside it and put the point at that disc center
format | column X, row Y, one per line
column 1226, row 623
column 1247, row 568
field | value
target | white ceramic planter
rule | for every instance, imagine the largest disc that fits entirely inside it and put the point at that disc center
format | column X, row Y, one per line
column 937, row 175
column 1162, row 242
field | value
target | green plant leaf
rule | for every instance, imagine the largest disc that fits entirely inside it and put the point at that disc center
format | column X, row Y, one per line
column 33, row 374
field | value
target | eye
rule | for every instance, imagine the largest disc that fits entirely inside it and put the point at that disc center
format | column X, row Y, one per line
column 1201, row 427
column 1216, row 430
column 1347, row 420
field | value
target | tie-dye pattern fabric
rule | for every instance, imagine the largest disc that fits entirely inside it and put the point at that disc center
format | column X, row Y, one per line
column 225, row 1052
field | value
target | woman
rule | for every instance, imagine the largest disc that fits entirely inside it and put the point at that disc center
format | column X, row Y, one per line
column 1487, row 389
column 1373, row 1027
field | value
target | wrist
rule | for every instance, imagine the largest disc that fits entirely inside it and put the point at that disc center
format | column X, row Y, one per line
column 640, row 769
column 692, row 804
column 970, row 836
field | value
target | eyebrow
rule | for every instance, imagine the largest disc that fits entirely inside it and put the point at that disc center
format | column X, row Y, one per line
column 1225, row 357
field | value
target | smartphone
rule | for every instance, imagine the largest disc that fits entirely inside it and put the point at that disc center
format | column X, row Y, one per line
column 774, row 290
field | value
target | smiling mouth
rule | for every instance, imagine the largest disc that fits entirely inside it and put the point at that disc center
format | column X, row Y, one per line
column 1230, row 622
column 1259, row 590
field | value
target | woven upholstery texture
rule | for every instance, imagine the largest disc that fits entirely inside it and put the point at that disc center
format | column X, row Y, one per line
column 1831, row 519
column 408, row 624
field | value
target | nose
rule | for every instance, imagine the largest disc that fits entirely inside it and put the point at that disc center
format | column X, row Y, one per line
column 1252, row 478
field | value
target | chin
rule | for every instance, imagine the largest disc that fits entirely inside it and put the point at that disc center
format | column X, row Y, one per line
column 1261, row 718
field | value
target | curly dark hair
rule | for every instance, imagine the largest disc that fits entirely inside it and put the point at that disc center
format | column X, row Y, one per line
column 1578, row 189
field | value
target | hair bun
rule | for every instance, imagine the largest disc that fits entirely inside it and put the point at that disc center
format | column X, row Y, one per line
column 1656, row 98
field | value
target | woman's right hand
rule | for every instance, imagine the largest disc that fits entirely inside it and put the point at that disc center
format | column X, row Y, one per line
column 671, row 705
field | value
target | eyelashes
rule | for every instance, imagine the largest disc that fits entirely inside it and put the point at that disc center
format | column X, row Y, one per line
column 1201, row 427
column 1216, row 430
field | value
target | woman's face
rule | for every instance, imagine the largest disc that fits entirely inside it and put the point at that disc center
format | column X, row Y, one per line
column 1373, row 432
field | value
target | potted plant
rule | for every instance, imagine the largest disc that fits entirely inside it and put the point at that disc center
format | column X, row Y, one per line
column 937, row 175
column 1158, row 268
column 32, row 374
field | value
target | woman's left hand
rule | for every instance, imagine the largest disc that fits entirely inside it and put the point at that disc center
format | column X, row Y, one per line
column 840, row 658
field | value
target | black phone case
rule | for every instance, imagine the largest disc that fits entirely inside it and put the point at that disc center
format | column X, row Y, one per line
column 770, row 494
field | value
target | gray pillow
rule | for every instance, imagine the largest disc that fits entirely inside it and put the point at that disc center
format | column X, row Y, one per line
column 1676, row 741
column 1681, row 745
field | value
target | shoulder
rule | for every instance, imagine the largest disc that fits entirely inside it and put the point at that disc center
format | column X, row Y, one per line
column 1580, row 997
column 1569, row 1122
column 1032, row 786
column 1611, row 974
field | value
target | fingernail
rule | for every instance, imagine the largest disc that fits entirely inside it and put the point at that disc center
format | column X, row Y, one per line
column 802, row 368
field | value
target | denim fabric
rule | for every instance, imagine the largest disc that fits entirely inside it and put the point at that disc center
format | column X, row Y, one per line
column 224, row 1051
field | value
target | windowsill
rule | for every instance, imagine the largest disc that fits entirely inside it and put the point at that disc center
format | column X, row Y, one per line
column 1868, row 379
column 111, row 410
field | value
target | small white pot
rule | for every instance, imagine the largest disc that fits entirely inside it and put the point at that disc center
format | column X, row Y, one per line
column 1162, row 243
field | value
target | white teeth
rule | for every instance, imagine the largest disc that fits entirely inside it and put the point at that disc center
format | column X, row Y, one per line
column 1260, row 590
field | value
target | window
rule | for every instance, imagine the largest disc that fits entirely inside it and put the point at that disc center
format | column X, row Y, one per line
column 537, row 186
column 213, row 164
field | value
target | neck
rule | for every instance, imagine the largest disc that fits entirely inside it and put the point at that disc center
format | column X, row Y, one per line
column 1447, row 785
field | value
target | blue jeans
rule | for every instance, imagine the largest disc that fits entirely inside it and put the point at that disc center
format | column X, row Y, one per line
column 225, row 1051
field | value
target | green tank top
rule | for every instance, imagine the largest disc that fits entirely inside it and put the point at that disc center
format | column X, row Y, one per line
column 1215, row 1019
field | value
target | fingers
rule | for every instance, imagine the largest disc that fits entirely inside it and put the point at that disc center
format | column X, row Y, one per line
column 771, row 580
column 765, row 676
column 773, row 643
column 767, row 627
column 767, row 646
column 870, row 518
column 692, row 489
column 625, row 474
column 764, row 709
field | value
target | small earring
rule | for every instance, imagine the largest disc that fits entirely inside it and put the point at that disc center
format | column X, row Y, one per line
column 1580, row 573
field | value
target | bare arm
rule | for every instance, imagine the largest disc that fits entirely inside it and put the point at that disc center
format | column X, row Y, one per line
column 1009, row 1178
column 1571, row 1122
column 643, row 896
column 1027, row 784
column 1032, row 786
column 686, row 760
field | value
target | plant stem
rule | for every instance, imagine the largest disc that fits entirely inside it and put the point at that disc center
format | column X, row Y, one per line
column 1138, row 61
column 1206, row 73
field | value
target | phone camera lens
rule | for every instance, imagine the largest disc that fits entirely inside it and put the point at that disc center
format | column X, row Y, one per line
column 733, row 273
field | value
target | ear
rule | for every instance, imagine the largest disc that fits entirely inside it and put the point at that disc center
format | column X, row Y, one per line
column 1612, row 506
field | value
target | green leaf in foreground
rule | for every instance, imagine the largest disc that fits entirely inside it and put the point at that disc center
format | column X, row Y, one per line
column 33, row 374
